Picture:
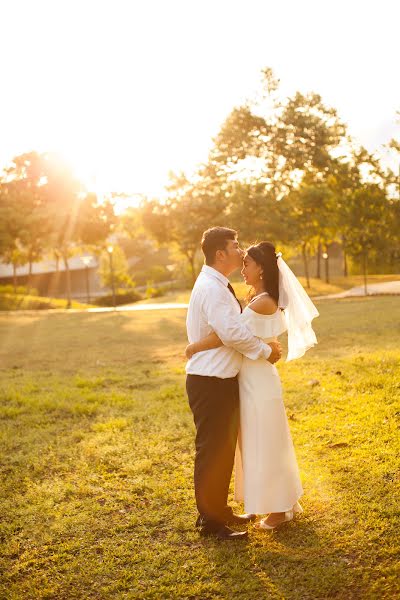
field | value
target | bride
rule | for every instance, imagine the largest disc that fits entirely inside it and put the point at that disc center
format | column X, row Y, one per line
column 267, row 477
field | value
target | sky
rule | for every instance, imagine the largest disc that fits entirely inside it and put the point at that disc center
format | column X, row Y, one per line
column 127, row 90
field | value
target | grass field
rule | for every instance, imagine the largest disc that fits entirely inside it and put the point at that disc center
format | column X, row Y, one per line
column 97, row 455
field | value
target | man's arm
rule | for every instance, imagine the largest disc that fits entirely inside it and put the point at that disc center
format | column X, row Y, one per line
column 227, row 324
column 212, row 341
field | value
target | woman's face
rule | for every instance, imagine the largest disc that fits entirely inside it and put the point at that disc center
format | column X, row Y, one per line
column 251, row 271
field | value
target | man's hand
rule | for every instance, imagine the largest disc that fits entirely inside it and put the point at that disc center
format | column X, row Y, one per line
column 276, row 353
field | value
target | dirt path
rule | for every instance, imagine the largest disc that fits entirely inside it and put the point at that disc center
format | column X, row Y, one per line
column 387, row 287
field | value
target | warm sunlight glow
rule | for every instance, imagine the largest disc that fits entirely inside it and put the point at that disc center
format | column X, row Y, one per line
column 128, row 91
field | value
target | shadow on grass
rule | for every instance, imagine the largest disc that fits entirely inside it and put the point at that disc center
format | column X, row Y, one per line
column 295, row 561
column 65, row 342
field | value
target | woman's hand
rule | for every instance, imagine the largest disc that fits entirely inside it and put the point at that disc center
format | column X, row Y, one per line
column 189, row 351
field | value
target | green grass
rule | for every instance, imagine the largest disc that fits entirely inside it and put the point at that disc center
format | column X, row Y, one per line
column 318, row 287
column 97, row 455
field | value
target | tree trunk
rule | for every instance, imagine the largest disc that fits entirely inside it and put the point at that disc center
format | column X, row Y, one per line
column 305, row 261
column 319, row 252
column 15, row 277
column 365, row 271
column 345, row 265
column 190, row 258
column 30, row 274
column 327, row 264
column 110, row 255
column 345, row 268
column 68, row 281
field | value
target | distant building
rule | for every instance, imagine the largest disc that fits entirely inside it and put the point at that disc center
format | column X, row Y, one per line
column 49, row 277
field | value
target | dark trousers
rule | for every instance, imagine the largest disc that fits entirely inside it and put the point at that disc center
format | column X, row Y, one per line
column 215, row 406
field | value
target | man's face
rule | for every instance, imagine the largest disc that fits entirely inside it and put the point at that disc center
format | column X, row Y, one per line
column 233, row 256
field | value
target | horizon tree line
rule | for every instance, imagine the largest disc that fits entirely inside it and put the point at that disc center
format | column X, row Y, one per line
column 283, row 169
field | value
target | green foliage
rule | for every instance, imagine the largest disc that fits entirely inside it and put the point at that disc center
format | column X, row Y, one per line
column 44, row 208
column 154, row 292
column 20, row 290
column 131, row 224
column 191, row 208
column 280, row 168
column 279, row 139
column 114, row 267
column 156, row 273
column 369, row 225
column 11, row 301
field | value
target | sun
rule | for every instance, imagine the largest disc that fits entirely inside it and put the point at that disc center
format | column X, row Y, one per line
column 112, row 168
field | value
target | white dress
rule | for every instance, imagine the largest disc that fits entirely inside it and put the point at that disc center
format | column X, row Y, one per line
column 266, row 473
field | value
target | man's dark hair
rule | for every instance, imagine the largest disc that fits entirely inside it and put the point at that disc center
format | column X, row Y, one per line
column 215, row 239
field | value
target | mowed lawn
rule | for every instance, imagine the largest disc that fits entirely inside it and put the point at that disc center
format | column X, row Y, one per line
column 97, row 457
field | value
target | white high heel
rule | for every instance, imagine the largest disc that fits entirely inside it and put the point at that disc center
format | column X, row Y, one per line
column 263, row 525
column 289, row 515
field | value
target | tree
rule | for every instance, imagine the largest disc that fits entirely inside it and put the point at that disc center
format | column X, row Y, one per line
column 368, row 215
column 308, row 133
column 24, row 201
column 190, row 209
column 117, row 275
column 9, row 223
column 393, row 177
column 95, row 221
column 343, row 177
column 10, row 226
column 321, row 204
column 253, row 211
column 135, row 239
column 304, row 212
column 276, row 141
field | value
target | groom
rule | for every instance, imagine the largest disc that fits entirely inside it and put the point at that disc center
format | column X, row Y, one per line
column 212, row 384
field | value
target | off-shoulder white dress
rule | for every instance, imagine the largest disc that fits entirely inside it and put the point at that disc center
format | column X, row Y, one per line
column 266, row 473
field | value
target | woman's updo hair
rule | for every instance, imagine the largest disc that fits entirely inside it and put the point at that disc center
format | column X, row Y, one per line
column 265, row 256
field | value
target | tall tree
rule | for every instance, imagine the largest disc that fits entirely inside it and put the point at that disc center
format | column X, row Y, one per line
column 191, row 208
column 306, row 206
column 275, row 141
column 23, row 192
column 114, row 268
column 367, row 229
column 255, row 213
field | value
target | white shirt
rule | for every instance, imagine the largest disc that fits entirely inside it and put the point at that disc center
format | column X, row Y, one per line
column 213, row 307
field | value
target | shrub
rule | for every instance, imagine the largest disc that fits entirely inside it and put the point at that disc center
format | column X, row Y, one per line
column 19, row 302
column 21, row 290
column 155, row 292
column 121, row 297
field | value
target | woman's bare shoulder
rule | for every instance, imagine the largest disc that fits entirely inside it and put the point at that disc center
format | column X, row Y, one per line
column 264, row 305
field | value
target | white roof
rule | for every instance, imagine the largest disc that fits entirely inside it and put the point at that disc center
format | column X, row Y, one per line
column 47, row 266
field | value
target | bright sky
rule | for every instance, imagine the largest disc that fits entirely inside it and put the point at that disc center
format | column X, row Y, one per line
column 128, row 90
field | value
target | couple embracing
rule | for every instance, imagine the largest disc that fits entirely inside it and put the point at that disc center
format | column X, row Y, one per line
column 234, row 388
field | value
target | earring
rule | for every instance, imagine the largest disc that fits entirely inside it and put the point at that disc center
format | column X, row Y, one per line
column 261, row 276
